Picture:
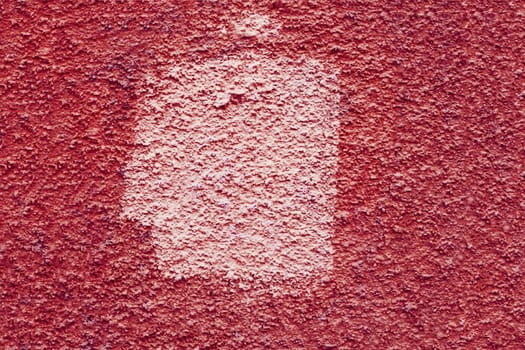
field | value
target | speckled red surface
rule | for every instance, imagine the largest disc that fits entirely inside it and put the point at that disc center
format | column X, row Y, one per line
column 430, row 236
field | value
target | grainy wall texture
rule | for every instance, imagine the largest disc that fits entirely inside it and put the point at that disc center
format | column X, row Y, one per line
column 409, row 184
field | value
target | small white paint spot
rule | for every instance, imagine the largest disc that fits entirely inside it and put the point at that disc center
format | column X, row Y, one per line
column 222, row 99
column 256, row 25
column 236, row 174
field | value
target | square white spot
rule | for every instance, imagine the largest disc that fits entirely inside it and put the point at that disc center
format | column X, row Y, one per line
column 236, row 168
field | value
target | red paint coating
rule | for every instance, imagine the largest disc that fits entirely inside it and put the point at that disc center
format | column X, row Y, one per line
column 430, row 243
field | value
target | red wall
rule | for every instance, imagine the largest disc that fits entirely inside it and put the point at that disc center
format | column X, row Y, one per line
column 429, row 242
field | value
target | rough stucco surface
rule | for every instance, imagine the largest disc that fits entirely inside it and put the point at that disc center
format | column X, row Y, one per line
column 428, row 224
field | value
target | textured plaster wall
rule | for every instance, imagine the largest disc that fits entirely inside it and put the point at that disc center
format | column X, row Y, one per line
column 428, row 224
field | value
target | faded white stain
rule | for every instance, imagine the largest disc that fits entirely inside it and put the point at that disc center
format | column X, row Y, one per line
column 256, row 25
column 235, row 168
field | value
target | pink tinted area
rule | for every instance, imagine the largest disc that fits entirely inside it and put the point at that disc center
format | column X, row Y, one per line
column 236, row 169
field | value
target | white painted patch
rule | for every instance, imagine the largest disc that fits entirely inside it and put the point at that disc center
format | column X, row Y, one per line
column 236, row 172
